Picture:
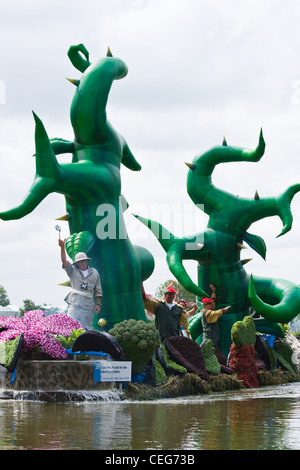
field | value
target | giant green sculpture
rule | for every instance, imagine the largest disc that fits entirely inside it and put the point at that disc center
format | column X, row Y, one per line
column 217, row 249
column 91, row 185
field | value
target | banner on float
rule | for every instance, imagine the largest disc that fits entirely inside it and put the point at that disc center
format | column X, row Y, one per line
column 115, row 371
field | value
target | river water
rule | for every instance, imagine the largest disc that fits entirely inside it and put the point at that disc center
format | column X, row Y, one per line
column 267, row 418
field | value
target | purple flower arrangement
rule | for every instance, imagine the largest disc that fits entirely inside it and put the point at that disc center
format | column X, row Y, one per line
column 39, row 331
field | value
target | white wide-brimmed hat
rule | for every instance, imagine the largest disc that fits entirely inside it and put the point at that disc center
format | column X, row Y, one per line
column 81, row 257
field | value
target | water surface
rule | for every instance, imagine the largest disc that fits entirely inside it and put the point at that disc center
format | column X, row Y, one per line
column 267, row 418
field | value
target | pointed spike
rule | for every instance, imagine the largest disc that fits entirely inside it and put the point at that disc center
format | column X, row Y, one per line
column 191, row 166
column 74, row 81
column 165, row 238
column 63, row 217
column 241, row 246
column 200, row 246
column 256, row 196
column 108, row 54
column 245, row 261
column 261, row 144
column 224, row 143
column 65, row 284
column 46, row 162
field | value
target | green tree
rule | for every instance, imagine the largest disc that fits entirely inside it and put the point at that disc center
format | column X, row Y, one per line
column 4, row 300
column 28, row 305
column 182, row 292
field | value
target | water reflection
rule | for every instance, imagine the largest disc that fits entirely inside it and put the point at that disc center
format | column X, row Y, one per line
column 265, row 418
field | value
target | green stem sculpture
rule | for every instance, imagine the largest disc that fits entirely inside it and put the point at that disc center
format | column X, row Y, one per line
column 91, row 185
column 217, row 249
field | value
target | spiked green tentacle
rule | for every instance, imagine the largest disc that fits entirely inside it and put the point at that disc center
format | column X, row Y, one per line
column 284, row 208
column 47, row 177
column 176, row 250
column 284, row 293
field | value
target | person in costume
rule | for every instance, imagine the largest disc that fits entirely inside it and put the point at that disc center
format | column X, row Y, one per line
column 210, row 317
column 169, row 315
column 86, row 287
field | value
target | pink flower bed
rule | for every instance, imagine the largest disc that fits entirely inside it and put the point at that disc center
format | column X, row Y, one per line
column 39, row 331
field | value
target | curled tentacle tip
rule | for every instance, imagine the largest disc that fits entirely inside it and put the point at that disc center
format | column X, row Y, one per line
column 283, row 231
column 191, row 166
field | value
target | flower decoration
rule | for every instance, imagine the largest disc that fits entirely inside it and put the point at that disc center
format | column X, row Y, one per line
column 39, row 331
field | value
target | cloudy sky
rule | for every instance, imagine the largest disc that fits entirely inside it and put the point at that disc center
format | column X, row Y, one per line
column 198, row 70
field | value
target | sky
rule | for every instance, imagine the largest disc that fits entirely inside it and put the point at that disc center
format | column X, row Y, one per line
column 198, row 70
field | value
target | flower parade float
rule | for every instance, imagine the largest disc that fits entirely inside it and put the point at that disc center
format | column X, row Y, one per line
column 53, row 358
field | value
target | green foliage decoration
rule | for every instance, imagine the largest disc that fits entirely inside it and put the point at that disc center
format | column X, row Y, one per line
column 68, row 341
column 243, row 333
column 212, row 364
column 160, row 374
column 138, row 340
column 170, row 366
column 273, row 360
column 284, row 353
column 8, row 351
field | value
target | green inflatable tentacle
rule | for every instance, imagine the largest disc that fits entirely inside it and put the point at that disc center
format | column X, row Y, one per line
column 282, row 298
column 202, row 191
column 177, row 250
column 174, row 260
column 284, row 208
column 76, row 58
column 48, row 174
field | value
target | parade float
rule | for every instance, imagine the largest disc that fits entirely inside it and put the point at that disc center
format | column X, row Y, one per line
column 52, row 358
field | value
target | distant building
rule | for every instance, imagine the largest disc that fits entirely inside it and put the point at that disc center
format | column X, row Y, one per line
column 49, row 310
column 9, row 311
